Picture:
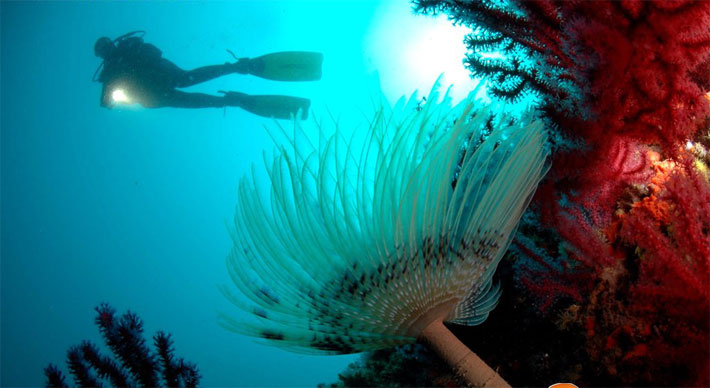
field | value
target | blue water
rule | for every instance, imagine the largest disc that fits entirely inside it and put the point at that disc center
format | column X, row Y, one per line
column 130, row 206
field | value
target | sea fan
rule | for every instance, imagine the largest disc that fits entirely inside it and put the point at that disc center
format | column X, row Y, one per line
column 362, row 245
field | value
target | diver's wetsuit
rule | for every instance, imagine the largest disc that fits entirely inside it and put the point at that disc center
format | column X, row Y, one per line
column 150, row 79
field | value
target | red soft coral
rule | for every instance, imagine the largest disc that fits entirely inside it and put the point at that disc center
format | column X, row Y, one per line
column 671, row 228
column 650, row 309
column 638, row 59
column 641, row 275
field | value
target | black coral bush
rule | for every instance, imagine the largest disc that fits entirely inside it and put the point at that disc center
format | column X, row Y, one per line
column 133, row 364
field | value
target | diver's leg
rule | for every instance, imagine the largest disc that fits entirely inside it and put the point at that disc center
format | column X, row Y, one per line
column 178, row 99
column 274, row 106
column 205, row 73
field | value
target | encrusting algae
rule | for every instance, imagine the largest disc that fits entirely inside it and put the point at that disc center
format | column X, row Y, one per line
column 363, row 245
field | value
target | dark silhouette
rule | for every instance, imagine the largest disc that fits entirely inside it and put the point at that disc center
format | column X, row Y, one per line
column 136, row 365
column 135, row 72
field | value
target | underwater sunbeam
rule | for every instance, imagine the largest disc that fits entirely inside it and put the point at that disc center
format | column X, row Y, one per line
column 410, row 51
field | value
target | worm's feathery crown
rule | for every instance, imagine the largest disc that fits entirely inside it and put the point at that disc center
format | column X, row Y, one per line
column 359, row 244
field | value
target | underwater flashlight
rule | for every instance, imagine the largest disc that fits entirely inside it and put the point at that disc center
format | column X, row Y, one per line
column 119, row 95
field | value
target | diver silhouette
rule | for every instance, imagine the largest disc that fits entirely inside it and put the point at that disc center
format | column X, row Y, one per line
column 133, row 71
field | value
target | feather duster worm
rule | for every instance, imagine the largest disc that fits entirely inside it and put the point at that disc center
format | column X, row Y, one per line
column 367, row 245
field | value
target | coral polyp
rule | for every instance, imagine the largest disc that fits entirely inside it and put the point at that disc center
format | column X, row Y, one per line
column 360, row 244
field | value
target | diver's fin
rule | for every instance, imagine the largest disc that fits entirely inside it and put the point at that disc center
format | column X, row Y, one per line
column 288, row 66
column 274, row 106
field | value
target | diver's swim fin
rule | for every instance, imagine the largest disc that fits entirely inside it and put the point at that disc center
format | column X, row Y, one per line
column 274, row 106
column 287, row 66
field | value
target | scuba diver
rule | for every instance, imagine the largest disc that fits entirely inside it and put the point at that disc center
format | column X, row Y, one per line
column 135, row 72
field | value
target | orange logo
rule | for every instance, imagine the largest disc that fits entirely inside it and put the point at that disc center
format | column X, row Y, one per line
column 563, row 385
